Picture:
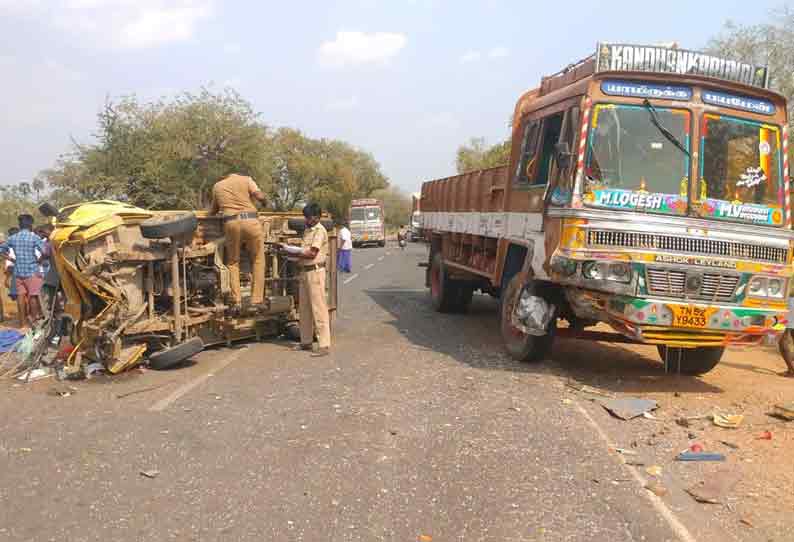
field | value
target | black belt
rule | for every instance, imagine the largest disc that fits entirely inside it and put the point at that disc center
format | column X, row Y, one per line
column 241, row 216
column 314, row 267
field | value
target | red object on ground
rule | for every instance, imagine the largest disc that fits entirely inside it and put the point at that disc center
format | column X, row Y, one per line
column 766, row 435
column 64, row 352
column 696, row 448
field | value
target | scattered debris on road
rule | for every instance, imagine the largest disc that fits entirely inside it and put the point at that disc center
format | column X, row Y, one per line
column 654, row 470
column 727, row 421
column 62, row 391
column 655, row 487
column 584, row 388
column 766, row 435
column 784, row 412
column 150, row 473
column 716, row 487
column 628, row 408
column 699, row 456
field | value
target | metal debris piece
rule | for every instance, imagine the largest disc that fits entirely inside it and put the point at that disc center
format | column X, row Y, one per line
column 150, row 473
column 627, row 408
column 716, row 487
column 785, row 412
column 699, row 456
column 728, row 421
column 730, row 445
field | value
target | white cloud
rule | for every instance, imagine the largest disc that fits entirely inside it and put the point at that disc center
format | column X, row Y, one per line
column 356, row 48
column 131, row 24
column 232, row 48
column 470, row 56
column 440, row 121
column 346, row 104
column 499, row 52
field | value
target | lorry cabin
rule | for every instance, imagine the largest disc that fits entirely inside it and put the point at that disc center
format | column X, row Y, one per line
column 647, row 189
column 367, row 222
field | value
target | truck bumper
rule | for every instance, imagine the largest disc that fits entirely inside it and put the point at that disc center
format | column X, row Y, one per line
column 679, row 323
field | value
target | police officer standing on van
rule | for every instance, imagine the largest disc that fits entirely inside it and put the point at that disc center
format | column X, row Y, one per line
column 312, row 256
column 234, row 198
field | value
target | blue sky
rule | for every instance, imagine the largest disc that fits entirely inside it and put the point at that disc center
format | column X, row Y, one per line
column 408, row 80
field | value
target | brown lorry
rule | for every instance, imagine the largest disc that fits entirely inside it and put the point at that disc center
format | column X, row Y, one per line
column 647, row 189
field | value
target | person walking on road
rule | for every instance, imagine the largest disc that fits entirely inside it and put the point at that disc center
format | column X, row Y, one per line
column 312, row 255
column 234, row 198
column 344, row 256
column 25, row 243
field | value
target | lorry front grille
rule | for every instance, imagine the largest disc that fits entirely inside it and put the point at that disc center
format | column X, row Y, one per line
column 690, row 245
column 673, row 283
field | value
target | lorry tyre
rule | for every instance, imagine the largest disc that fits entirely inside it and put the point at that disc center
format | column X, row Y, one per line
column 443, row 291
column 694, row 361
column 463, row 298
column 170, row 357
column 162, row 227
column 381, row 244
column 522, row 346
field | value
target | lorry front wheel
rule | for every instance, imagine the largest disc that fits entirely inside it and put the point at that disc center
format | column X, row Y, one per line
column 694, row 361
column 522, row 346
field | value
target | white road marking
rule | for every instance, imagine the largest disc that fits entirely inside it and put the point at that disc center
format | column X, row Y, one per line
column 350, row 278
column 380, row 259
column 370, row 266
column 185, row 388
column 672, row 520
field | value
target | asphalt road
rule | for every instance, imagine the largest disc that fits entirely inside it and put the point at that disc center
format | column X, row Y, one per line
column 416, row 428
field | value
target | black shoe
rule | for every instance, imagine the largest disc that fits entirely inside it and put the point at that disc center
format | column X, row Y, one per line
column 302, row 348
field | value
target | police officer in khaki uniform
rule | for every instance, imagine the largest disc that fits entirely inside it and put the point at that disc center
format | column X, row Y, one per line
column 233, row 197
column 312, row 256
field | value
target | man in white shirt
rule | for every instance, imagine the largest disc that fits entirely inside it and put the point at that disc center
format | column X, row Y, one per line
column 344, row 256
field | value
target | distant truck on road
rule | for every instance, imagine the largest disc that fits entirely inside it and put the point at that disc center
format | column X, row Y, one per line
column 647, row 189
column 415, row 230
column 367, row 222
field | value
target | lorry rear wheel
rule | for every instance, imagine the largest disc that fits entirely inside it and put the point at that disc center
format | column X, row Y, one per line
column 442, row 289
column 522, row 346
column 694, row 361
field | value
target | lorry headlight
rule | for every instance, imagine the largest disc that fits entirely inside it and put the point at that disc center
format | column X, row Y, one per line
column 757, row 287
column 620, row 272
column 775, row 287
column 593, row 271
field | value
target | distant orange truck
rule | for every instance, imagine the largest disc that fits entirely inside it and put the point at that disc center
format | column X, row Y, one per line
column 647, row 189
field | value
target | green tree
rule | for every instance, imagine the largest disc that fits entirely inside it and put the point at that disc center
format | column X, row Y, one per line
column 477, row 155
column 396, row 206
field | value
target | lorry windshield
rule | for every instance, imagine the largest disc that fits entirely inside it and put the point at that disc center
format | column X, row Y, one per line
column 638, row 159
column 740, row 170
column 365, row 213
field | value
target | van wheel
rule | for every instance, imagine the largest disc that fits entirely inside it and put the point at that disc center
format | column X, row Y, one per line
column 522, row 346
column 170, row 357
column 694, row 361
column 162, row 227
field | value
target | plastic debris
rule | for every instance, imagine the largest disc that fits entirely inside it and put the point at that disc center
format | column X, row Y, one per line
column 696, row 448
column 150, row 473
column 425, row 538
column 654, row 470
column 728, row 421
column 35, row 374
column 628, row 408
column 93, row 368
column 766, row 435
column 716, row 487
column 699, row 456
column 9, row 338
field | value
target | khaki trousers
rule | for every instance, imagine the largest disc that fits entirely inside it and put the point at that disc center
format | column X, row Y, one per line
column 314, row 309
column 250, row 232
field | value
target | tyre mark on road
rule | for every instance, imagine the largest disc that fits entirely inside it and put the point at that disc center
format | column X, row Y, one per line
column 185, row 388
column 351, row 278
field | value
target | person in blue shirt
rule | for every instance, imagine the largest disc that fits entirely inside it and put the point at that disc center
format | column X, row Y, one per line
column 25, row 244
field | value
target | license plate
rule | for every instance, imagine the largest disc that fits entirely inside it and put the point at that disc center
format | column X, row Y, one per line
column 690, row 316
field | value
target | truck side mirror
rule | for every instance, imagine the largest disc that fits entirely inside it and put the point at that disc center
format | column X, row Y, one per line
column 563, row 155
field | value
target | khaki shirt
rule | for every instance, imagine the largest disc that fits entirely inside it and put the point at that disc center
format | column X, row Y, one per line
column 233, row 195
column 316, row 237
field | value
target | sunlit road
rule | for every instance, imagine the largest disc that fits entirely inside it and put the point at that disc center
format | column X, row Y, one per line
column 417, row 428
